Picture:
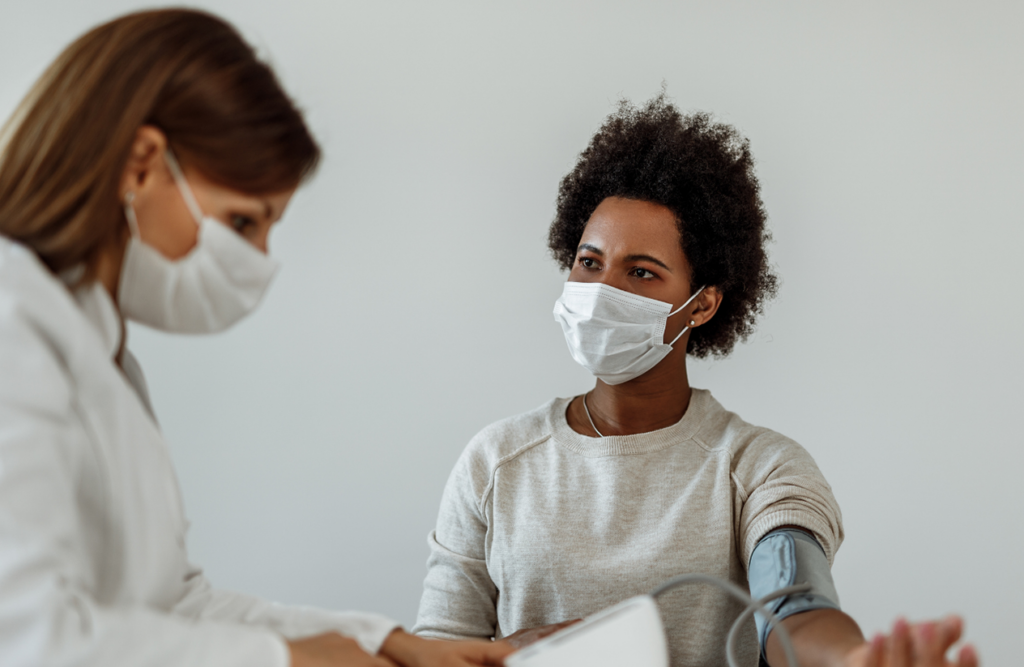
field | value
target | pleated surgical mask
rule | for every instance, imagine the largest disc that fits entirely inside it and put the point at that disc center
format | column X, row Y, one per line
column 221, row 280
column 616, row 335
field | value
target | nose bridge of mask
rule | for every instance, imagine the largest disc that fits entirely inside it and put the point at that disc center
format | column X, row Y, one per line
column 183, row 187
column 651, row 307
column 599, row 294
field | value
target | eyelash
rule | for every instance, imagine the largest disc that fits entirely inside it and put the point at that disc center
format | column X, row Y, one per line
column 242, row 223
column 635, row 270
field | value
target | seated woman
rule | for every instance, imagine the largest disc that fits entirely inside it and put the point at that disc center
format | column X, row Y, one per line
column 560, row 512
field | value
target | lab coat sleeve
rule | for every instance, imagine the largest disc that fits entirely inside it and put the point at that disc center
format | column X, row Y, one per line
column 47, row 615
column 459, row 597
column 203, row 602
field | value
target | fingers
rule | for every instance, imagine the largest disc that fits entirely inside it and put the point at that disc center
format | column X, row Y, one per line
column 474, row 653
column 900, row 653
column 868, row 654
column 525, row 637
column 520, row 639
column 876, row 652
column 928, row 647
column 947, row 632
column 967, row 657
column 952, row 628
column 933, row 640
column 921, row 645
column 491, row 653
column 552, row 629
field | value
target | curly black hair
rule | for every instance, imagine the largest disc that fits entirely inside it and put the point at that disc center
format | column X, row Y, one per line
column 703, row 172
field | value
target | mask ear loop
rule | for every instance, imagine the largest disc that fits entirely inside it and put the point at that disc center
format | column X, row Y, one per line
column 129, row 214
column 183, row 187
column 688, row 302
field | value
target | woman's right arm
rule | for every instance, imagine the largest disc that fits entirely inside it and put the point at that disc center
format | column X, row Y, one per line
column 459, row 599
column 48, row 615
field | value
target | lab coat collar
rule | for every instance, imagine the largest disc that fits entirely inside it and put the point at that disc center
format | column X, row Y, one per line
column 98, row 308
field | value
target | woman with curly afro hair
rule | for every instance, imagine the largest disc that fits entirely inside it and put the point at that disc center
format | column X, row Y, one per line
column 586, row 501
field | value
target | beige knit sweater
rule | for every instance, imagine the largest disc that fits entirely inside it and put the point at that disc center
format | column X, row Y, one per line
column 540, row 524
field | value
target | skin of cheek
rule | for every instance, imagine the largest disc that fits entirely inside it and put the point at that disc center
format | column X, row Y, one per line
column 165, row 223
column 223, row 204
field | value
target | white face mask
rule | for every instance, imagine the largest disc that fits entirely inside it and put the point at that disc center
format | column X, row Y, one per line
column 615, row 335
column 217, row 283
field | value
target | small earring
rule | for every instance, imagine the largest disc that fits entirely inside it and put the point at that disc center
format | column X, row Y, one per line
column 692, row 323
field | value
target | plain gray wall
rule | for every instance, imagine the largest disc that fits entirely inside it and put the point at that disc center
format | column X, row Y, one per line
column 313, row 441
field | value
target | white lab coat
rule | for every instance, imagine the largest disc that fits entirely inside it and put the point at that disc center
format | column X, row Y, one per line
column 93, row 568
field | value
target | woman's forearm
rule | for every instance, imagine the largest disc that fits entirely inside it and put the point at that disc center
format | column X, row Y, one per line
column 821, row 638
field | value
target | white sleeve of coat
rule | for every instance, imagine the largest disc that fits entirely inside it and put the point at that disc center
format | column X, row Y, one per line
column 203, row 602
column 47, row 614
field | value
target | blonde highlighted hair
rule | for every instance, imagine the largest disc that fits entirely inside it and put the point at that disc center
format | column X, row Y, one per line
column 188, row 73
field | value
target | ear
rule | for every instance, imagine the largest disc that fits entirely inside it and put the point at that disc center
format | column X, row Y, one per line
column 145, row 158
column 705, row 306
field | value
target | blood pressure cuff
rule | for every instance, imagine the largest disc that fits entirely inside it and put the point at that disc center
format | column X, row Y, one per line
column 786, row 557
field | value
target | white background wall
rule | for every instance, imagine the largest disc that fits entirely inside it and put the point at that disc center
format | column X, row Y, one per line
column 314, row 439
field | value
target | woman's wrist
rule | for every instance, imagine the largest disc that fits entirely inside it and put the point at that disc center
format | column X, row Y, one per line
column 821, row 638
column 855, row 655
column 400, row 646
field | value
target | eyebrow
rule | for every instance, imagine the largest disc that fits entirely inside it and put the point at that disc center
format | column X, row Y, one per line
column 629, row 258
column 648, row 258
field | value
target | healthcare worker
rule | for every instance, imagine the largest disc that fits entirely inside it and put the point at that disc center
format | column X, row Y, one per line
column 139, row 180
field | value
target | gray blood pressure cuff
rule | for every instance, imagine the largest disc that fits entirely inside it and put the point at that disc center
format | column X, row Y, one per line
column 786, row 557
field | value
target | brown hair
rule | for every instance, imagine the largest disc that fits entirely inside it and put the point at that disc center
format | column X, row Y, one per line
column 188, row 73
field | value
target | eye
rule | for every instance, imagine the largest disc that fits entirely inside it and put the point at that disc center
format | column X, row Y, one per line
column 644, row 274
column 243, row 224
column 588, row 262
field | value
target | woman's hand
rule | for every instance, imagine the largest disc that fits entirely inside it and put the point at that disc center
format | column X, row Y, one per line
column 332, row 650
column 521, row 638
column 412, row 651
column 919, row 645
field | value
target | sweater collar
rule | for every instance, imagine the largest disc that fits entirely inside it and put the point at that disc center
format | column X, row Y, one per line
column 638, row 443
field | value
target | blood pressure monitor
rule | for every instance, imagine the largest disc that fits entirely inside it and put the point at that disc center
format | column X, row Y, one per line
column 630, row 633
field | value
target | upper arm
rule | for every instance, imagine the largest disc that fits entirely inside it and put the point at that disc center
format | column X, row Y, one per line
column 38, row 459
column 43, row 540
column 53, row 513
column 783, row 486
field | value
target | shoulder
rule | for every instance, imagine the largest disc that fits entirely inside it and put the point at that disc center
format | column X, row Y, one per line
column 750, row 447
column 37, row 332
column 30, row 293
column 776, row 480
column 499, row 443
column 509, row 438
